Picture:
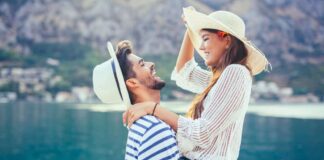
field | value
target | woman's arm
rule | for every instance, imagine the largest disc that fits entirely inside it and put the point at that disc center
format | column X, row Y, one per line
column 187, row 74
column 191, row 77
column 138, row 110
column 186, row 52
column 167, row 116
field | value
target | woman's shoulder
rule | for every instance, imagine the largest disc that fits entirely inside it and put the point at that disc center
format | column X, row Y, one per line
column 236, row 68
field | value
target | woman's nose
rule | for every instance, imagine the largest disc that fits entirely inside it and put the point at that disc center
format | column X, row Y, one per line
column 202, row 47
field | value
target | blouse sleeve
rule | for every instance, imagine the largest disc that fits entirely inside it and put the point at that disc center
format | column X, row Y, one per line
column 191, row 77
column 228, row 98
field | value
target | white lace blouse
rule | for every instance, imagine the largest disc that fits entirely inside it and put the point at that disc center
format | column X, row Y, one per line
column 217, row 134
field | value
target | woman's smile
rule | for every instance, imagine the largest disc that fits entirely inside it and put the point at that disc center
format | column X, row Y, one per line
column 206, row 55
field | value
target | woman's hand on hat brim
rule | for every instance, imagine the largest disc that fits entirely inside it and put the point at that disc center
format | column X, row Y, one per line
column 184, row 19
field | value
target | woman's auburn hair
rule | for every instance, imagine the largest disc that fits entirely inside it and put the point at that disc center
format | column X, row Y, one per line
column 235, row 54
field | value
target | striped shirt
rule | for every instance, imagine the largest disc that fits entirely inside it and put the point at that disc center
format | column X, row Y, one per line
column 151, row 138
column 217, row 133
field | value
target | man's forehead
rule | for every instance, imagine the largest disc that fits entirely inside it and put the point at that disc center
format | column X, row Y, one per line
column 134, row 58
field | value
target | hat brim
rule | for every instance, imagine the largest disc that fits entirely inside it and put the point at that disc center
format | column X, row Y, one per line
column 197, row 21
column 119, row 75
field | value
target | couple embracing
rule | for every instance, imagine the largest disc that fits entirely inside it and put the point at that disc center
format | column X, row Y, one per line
column 212, row 128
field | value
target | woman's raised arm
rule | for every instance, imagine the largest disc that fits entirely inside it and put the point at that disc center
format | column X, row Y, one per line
column 186, row 52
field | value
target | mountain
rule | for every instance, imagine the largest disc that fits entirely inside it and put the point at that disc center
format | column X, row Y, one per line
column 288, row 31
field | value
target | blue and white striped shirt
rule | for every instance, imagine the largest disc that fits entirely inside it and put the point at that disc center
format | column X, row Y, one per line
column 151, row 138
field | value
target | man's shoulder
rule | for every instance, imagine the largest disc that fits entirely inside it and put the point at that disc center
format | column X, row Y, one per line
column 149, row 120
column 153, row 138
column 147, row 123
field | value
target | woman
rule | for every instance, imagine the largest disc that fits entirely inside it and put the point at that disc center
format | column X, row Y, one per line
column 215, row 118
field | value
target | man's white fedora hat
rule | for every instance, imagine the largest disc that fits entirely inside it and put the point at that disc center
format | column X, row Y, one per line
column 108, row 80
column 229, row 23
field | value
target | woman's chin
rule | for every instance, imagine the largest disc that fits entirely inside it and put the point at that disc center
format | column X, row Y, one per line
column 211, row 62
column 208, row 63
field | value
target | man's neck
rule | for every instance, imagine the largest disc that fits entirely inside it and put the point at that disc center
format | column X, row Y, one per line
column 148, row 95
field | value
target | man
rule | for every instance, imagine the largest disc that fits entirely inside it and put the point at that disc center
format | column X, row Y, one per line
column 148, row 137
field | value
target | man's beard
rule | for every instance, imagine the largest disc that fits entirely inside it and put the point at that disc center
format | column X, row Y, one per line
column 158, row 85
column 155, row 85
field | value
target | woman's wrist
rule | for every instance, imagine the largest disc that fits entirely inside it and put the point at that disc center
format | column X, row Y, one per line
column 149, row 108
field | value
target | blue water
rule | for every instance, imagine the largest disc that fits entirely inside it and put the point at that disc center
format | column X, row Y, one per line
column 62, row 132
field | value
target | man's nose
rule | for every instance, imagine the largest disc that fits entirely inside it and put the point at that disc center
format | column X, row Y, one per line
column 151, row 64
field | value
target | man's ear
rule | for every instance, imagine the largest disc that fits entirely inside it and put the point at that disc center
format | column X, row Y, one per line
column 132, row 83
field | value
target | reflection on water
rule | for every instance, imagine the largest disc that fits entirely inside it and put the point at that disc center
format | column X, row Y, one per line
column 267, row 138
column 56, row 131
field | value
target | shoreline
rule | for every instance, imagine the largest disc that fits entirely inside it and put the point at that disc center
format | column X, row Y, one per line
column 278, row 110
column 300, row 111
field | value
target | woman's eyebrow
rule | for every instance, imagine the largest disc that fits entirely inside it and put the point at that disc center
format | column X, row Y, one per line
column 204, row 35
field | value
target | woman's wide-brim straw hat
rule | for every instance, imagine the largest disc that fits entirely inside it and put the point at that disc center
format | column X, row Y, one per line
column 229, row 23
